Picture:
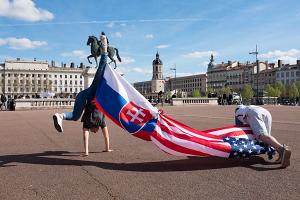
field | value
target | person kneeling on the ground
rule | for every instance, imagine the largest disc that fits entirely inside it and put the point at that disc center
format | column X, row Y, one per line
column 92, row 119
column 260, row 121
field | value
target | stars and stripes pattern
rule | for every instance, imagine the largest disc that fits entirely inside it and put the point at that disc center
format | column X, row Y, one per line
column 126, row 107
column 179, row 139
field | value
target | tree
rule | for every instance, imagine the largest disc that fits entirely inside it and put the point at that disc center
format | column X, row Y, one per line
column 270, row 91
column 298, row 85
column 247, row 93
column 293, row 91
column 280, row 89
column 196, row 93
column 209, row 90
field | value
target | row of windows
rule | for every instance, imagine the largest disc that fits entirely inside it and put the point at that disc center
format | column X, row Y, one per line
column 14, row 89
column 41, row 75
column 287, row 74
column 39, row 82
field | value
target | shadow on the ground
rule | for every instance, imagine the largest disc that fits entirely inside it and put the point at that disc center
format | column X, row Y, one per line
column 187, row 164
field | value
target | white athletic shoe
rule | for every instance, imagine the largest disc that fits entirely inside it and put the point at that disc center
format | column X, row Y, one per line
column 57, row 120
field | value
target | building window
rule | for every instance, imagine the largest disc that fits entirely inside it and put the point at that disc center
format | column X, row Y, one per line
column 75, row 76
column 66, row 89
column 66, row 82
column 287, row 74
column 70, row 76
column 45, row 75
column 70, row 82
column 60, row 76
column 66, row 76
column 55, row 76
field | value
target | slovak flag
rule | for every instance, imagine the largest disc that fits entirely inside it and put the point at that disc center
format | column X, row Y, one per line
column 127, row 108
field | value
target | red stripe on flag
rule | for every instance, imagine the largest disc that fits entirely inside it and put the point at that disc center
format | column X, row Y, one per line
column 217, row 145
column 176, row 147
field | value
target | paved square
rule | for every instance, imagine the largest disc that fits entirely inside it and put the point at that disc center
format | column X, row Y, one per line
column 38, row 163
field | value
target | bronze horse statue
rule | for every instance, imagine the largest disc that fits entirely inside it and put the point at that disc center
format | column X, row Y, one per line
column 95, row 51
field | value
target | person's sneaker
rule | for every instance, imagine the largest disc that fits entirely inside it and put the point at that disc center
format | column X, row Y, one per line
column 285, row 161
column 57, row 120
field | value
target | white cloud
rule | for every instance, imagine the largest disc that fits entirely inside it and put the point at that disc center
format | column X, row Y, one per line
column 136, row 70
column 75, row 54
column 149, row 36
column 110, row 24
column 289, row 56
column 24, row 10
column 201, row 54
column 117, row 34
column 21, row 43
column 127, row 60
column 162, row 46
column 123, row 24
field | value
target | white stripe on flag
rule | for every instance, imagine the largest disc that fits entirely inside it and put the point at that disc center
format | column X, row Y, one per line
column 180, row 130
column 228, row 130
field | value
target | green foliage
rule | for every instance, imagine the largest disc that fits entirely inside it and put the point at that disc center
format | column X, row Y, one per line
column 272, row 91
column 209, row 90
column 247, row 93
column 179, row 94
column 298, row 85
column 292, row 90
column 196, row 93
column 225, row 90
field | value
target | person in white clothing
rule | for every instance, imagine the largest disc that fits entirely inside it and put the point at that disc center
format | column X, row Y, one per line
column 260, row 121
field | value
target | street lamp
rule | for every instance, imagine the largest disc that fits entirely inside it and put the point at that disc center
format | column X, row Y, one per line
column 257, row 71
column 174, row 68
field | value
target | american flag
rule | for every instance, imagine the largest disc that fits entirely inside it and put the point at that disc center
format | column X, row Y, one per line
column 126, row 107
column 179, row 139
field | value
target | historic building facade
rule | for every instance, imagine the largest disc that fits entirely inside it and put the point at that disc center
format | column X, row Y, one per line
column 20, row 78
column 288, row 74
column 186, row 84
column 235, row 75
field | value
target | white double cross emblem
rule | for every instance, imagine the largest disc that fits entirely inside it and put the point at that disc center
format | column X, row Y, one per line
column 136, row 114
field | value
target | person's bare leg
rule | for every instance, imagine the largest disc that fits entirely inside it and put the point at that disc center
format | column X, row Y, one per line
column 106, row 139
column 86, row 134
column 283, row 151
column 270, row 140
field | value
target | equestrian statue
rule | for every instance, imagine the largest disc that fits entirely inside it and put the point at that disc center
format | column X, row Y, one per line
column 95, row 50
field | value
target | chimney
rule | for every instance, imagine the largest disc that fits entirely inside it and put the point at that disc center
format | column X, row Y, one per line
column 81, row 65
column 279, row 63
column 298, row 63
column 72, row 65
column 18, row 59
column 34, row 59
column 65, row 65
column 267, row 64
column 229, row 62
column 52, row 63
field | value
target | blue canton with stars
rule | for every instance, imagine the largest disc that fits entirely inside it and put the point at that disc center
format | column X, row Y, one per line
column 241, row 147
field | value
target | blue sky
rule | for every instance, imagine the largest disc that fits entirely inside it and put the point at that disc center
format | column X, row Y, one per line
column 184, row 33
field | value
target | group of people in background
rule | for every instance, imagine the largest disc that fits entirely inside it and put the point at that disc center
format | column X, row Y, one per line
column 7, row 104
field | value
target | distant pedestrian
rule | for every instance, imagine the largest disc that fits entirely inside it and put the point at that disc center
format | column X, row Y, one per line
column 3, row 101
column 92, row 119
column 260, row 121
